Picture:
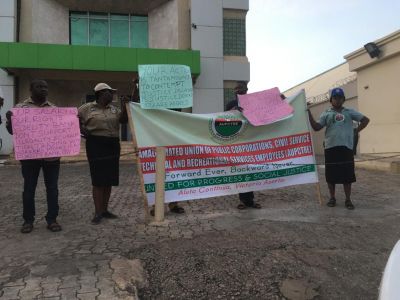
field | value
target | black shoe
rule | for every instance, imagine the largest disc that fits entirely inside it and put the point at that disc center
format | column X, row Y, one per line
column 27, row 227
column 109, row 215
column 331, row 202
column 96, row 220
column 177, row 209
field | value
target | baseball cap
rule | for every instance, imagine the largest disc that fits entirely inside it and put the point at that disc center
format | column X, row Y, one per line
column 103, row 86
column 337, row 92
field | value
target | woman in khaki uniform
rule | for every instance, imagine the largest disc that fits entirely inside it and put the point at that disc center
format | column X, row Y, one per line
column 99, row 123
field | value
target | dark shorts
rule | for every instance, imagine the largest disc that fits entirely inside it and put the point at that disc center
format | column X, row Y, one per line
column 339, row 165
column 103, row 155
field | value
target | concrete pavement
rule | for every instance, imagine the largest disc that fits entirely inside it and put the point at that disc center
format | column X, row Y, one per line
column 213, row 251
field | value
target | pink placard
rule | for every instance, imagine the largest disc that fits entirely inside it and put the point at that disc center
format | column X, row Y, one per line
column 45, row 132
column 264, row 107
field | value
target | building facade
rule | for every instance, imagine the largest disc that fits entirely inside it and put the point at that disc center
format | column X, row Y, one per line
column 317, row 95
column 73, row 44
column 371, row 86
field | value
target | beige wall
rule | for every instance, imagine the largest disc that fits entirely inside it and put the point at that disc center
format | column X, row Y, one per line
column 319, row 86
column 44, row 21
column 378, row 94
column 25, row 31
column 375, row 93
column 379, row 91
column 184, row 24
column 169, row 26
column 323, row 82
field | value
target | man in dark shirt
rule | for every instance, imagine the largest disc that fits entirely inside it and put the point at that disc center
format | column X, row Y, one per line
column 31, row 168
column 246, row 199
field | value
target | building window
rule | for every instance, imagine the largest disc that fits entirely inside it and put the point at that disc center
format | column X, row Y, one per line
column 234, row 37
column 104, row 29
column 229, row 95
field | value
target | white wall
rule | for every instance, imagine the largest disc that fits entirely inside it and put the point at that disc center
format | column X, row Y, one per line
column 207, row 36
column 236, row 70
column 7, row 34
column 207, row 17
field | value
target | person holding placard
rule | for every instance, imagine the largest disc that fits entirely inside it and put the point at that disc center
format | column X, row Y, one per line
column 31, row 168
column 100, row 123
column 338, row 143
column 246, row 199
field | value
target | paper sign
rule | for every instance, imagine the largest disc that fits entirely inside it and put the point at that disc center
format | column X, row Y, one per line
column 165, row 86
column 264, row 107
column 45, row 132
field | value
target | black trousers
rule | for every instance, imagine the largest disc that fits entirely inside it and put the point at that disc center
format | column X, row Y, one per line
column 247, row 198
column 30, row 172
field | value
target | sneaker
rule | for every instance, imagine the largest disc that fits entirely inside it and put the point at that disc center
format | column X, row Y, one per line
column 108, row 215
column 96, row 220
column 331, row 202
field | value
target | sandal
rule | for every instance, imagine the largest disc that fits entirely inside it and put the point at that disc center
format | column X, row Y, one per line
column 152, row 211
column 109, row 215
column 349, row 204
column 96, row 219
column 26, row 228
column 241, row 206
column 256, row 205
column 177, row 209
column 331, row 202
column 54, row 227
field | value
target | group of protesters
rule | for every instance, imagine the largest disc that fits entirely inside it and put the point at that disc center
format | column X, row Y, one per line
column 99, row 125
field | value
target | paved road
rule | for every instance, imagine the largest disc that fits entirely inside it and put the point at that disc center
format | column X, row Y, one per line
column 290, row 247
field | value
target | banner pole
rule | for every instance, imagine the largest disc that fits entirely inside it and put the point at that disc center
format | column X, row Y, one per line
column 318, row 188
column 160, row 184
column 139, row 167
column 319, row 193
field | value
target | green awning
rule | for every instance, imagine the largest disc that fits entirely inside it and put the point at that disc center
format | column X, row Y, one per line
column 91, row 58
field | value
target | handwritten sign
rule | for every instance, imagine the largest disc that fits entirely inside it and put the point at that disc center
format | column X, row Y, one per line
column 165, row 86
column 45, row 132
column 264, row 107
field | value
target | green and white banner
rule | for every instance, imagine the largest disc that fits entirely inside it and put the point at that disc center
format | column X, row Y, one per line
column 219, row 154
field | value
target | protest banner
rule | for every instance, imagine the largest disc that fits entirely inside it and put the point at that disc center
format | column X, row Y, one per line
column 45, row 132
column 265, row 107
column 220, row 154
column 165, row 86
